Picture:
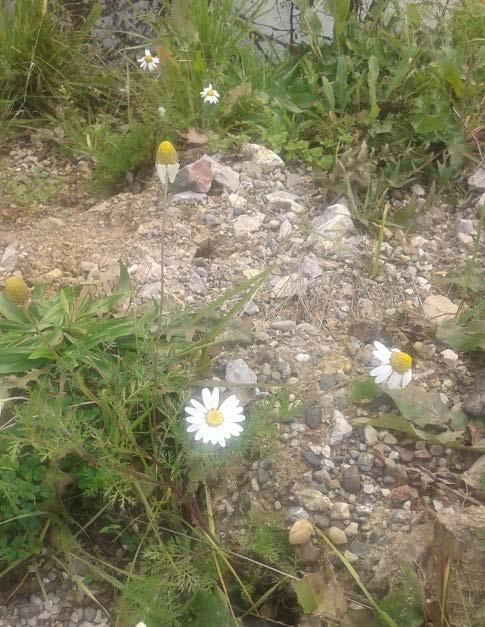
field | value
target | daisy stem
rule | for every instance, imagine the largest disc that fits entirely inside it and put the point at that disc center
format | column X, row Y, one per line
column 163, row 208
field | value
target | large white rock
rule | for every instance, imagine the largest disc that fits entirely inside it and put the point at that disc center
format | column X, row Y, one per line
column 341, row 429
column 477, row 180
column 333, row 225
column 246, row 224
column 439, row 308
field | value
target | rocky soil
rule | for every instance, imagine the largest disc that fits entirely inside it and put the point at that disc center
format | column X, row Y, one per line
column 309, row 329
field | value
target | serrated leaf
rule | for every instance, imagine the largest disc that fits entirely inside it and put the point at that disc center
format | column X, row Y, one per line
column 364, row 390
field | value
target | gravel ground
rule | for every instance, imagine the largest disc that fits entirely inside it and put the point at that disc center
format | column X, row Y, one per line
column 310, row 328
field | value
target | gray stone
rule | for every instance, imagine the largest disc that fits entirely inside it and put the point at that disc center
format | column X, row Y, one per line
column 285, row 230
column 365, row 461
column 237, row 371
column 196, row 284
column 340, row 511
column 9, row 258
column 322, row 476
column 295, row 513
column 247, row 224
column 309, row 554
column 312, row 459
column 223, row 175
column 311, row 268
column 211, row 220
column 327, row 381
column 188, row 197
column 283, row 325
column 477, row 180
column 464, row 226
column 281, row 200
column 341, row 429
column 263, row 475
column 313, row 417
column 53, row 223
column 332, row 226
column 195, row 177
column 358, row 548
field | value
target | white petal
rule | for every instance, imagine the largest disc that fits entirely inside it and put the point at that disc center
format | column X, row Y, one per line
column 383, row 369
column 407, row 377
column 140, row 60
column 156, row 60
column 162, row 173
column 232, row 429
column 192, row 428
column 395, row 381
column 201, row 432
column 214, row 435
column 235, row 418
column 195, row 420
column 147, row 52
column 229, row 404
column 382, row 377
column 381, row 350
column 222, row 440
column 215, row 398
column 210, row 87
column 195, row 412
column 207, row 398
column 198, row 405
column 172, row 170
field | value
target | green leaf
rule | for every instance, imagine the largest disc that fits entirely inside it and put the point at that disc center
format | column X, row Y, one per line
column 463, row 337
column 372, row 80
column 10, row 311
column 422, row 408
column 364, row 390
column 405, row 602
column 341, row 82
column 124, row 280
column 449, row 70
column 328, row 91
column 339, row 10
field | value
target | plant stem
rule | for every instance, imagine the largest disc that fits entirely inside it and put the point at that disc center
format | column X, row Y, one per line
column 163, row 207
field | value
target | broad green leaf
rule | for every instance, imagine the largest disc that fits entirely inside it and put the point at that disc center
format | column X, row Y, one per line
column 372, row 80
column 328, row 91
column 10, row 311
column 423, row 408
column 463, row 337
column 364, row 390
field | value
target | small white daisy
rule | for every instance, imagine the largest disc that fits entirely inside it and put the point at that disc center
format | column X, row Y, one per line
column 140, row 624
column 148, row 62
column 210, row 95
column 162, row 111
column 212, row 422
column 395, row 367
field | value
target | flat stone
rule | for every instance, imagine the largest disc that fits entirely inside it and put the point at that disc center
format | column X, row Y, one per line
column 238, row 371
column 313, row 417
column 340, row 511
column 332, row 226
column 289, row 285
column 341, row 429
column 358, row 548
column 222, row 175
column 449, row 357
column 311, row 268
column 350, row 479
column 295, row 513
column 262, row 157
column 337, row 536
column 370, row 435
column 281, row 200
column 477, row 180
column 313, row 500
column 247, row 224
column 283, row 325
column 406, row 456
column 464, row 226
column 439, row 308
column 53, row 223
column 327, row 381
column 192, row 198
column 312, row 459
column 309, row 554
column 401, row 493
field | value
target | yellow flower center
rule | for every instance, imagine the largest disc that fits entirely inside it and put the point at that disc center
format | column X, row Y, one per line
column 16, row 290
column 166, row 154
column 210, row 92
column 148, row 58
column 214, row 418
column 400, row 362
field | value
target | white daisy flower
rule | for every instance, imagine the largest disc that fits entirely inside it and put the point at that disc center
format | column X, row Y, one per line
column 162, row 111
column 395, row 367
column 210, row 95
column 212, row 422
column 140, row 624
column 148, row 62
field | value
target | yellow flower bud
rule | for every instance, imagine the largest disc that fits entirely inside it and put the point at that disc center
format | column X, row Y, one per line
column 16, row 290
column 166, row 154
